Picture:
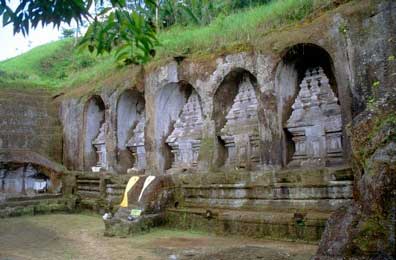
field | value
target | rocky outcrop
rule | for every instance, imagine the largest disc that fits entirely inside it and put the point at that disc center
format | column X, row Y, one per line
column 365, row 229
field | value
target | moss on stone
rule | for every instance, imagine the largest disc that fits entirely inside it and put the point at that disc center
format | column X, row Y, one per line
column 373, row 232
column 206, row 150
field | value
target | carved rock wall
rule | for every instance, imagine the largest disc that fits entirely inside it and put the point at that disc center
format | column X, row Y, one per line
column 241, row 130
column 353, row 44
column 185, row 139
column 276, row 80
column 29, row 122
column 316, row 123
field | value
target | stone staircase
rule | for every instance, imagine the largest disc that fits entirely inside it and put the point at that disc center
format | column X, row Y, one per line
column 99, row 192
column 290, row 205
column 88, row 186
column 114, row 192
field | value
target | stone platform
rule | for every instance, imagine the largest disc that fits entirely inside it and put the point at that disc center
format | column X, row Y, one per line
column 287, row 205
column 33, row 205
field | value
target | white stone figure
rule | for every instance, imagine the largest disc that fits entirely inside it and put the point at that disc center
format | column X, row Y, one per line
column 241, row 131
column 136, row 145
column 315, row 122
column 100, row 146
column 185, row 139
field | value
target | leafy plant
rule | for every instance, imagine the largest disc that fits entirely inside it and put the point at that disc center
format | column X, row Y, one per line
column 129, row 32
column 132, row 37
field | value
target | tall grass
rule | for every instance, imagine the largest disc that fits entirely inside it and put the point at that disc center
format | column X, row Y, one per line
column 237, row 28
column 51, row 66
column 57, row 66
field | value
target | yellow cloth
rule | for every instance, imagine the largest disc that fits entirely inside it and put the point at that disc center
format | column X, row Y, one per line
column 132, row 181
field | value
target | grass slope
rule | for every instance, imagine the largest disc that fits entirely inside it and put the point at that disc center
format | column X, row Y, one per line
column 58, row 65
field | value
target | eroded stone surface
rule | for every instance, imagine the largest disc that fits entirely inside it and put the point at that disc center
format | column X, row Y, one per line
column 100, row 146
column 136, row 145
column 23, row 180
column 315, row 122
column 241, row 133
column 185, row 139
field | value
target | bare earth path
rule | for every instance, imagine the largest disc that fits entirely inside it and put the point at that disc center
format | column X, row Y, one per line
column 81, row 237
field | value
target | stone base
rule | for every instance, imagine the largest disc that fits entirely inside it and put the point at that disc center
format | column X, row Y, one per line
column 284, row 205
column 36, row 205
column 122, row 227
column 269, row 225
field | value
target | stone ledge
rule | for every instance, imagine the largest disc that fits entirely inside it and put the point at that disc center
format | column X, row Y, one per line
column 269, row 224
column 34, row 207
column 324, row 205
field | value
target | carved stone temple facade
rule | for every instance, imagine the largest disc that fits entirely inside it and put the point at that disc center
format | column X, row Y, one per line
column 136, row 146
column 100, row 147
column 241, row 131
column 315, row 123
column 185, row 139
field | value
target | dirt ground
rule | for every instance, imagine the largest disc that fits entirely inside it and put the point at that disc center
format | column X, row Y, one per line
column 80, row 236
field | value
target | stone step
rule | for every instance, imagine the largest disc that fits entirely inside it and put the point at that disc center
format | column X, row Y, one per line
column 88, row 193
column 93, row 181
column 115, row 186
column 115, row 192
column 257, row 216
column 338, row 191
column 88, row 188
column 35, row 197
column 23, row 203
column 323, row 205
column 273, row 224
column 274, row 185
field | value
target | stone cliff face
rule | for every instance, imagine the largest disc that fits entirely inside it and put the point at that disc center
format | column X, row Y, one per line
column 30, row 127
column 366, row 228
column 348, row 44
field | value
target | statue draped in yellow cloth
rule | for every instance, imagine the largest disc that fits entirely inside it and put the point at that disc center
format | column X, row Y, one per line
column 132, row 181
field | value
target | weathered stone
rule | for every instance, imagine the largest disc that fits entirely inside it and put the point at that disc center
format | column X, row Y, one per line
column 136, row 146
column 241, row 133
column 25, row 180
column 246, row 99
column 315, row 122
column 100, row 146
column 185, row 139
column 93, row 120
column 29, row 122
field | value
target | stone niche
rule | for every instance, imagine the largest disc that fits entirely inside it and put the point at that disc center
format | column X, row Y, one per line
column 23, row 179
column 185, row 139
column 99, row 143
column 238, row 131
column 309, row 108
column 169, row 103
column 136, row 146
column 315, row 122
column 95, row 156
column 130, row 132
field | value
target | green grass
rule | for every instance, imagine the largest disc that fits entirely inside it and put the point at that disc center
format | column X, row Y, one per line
column 58, row 65
column 240, row 28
